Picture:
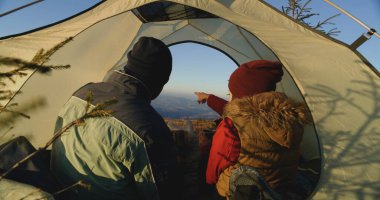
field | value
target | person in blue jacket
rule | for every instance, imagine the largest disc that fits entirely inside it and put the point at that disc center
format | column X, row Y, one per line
column 131, row 154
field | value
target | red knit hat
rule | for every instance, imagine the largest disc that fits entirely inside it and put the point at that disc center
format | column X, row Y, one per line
column 255, row 77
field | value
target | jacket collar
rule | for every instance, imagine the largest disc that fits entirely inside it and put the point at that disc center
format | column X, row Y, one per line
column 130, row 84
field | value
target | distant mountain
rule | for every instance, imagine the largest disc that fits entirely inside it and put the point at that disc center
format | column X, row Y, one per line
column 179, row 106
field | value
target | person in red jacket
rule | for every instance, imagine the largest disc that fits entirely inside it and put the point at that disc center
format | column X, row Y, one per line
column 260, row 128
column 225, row 146
column 249, row 79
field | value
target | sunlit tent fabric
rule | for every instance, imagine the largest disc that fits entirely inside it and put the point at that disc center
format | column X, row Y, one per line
column 13, row 190
column 339, row 86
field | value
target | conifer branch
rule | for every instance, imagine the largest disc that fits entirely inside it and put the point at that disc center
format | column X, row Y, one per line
column 5, row 94
column 320, row 24
column 96, row 112
column 42, row 57
column 299, row 10
column 89, row 100
column 333, row 31
column 19, row 69
column 37, row 63
column 4, row 109
column 23, row 65
column 293, row 7
column 8, row 117
column 77, row 184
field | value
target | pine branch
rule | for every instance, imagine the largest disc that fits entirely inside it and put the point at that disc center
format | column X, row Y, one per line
column 8, row 117
column 6, row 109
column 102, row 106
column 97, row 112
column 304, row 8
column 42, row 57
column 79, row 183
column 8, row 61
column 333, row 32
column 6, row 94
column 3, row 109
column 326, row 21
column 89, row 100
column 37, row 62
column 5, row 91
column 299, row 10
column 293, row 7
column 39, row 56
column 307, row 16
column 21, row 66
column 12, row 105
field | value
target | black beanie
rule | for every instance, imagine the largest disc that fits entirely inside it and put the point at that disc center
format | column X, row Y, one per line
column 150, row 61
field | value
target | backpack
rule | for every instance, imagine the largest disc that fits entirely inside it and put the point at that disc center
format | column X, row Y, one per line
column 246, row 183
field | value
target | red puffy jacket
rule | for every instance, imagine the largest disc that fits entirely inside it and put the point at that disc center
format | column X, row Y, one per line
column 225, row 147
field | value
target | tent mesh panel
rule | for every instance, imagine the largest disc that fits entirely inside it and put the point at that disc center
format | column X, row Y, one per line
column 165, row 11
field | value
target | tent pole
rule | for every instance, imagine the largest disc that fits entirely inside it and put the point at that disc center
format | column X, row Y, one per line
column 370, row 30
column 19, row 8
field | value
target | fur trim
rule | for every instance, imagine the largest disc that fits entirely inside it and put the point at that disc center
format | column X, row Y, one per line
column 274, row 113
column 271, row 110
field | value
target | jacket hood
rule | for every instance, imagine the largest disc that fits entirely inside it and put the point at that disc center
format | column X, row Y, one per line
column 273, row 112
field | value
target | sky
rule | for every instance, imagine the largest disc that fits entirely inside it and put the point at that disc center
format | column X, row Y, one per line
column 205, row 69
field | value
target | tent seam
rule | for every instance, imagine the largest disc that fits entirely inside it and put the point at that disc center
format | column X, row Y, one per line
column 246, row 39
column 200, row 30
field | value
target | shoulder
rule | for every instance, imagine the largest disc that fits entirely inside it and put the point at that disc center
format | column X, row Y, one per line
column 226, row 128
column 226, row 123
column 98, row 89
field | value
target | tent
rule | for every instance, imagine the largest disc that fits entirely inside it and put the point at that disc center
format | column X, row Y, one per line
column 340, row 87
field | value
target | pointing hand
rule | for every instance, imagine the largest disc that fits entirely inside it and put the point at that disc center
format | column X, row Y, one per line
column 202, row 97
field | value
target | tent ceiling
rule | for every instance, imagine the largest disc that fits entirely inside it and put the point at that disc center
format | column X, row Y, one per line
column 166, row 11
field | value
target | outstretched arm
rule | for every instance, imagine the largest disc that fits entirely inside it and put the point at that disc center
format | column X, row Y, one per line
column 214, row 102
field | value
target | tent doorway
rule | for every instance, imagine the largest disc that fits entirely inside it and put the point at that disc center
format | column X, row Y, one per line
column 188, row 61
column 196, row 67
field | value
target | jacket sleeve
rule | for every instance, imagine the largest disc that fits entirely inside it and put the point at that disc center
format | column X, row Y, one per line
column 137, row 161
column 225, row 150
column 216, row 103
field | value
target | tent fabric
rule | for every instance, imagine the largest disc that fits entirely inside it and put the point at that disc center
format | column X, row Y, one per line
column 339, row 86
column 166, row 11
column 10, row 190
